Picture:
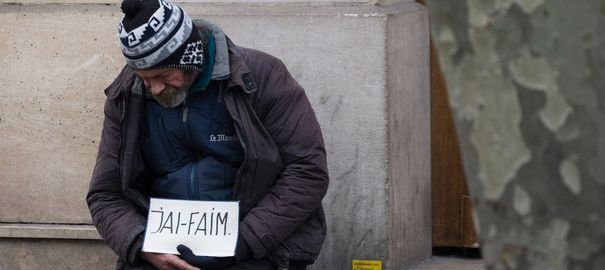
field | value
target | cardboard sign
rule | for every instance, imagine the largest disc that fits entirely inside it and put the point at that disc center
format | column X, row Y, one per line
column 367, row 265
column 208, row 228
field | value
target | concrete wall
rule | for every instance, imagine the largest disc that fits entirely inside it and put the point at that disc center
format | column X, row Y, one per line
column 365, row 69
column 26, row 254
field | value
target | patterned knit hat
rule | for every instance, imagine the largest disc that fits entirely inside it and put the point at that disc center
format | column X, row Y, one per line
column 158, row 34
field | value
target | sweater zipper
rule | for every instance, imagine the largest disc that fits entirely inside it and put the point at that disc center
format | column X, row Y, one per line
column 185, row 112
column 185, row 118
column 193, row 188
column 220, row 92
column 194, row 191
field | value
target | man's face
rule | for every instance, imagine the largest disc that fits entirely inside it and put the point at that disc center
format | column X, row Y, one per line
column 168, row 86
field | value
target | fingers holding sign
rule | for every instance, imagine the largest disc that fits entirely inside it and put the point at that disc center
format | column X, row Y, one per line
column 207, row 263
column 167, row 261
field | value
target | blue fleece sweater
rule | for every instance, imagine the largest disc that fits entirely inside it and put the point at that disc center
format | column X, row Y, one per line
column 192, row 149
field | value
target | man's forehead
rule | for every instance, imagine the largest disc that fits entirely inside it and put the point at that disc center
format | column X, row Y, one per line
column 150, row 73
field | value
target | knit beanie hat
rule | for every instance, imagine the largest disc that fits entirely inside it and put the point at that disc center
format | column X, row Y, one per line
column 158, row 34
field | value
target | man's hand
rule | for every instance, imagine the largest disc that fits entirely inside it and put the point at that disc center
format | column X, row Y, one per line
column 167, row 261
column 208, row 263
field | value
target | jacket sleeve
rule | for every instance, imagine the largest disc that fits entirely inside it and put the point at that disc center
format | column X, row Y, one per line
column 298, row 191
column 114, row 215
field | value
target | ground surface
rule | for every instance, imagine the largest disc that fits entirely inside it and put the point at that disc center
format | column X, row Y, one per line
column 449, row 263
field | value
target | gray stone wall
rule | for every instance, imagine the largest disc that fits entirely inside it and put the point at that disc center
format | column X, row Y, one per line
column 525, row 80
column 33, row 254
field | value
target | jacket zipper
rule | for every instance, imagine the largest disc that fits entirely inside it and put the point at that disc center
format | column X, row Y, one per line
column 240, row 171
column 125, row 118
column 237, row 187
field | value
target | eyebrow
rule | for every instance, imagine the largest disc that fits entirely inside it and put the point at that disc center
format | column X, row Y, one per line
column 160, row 74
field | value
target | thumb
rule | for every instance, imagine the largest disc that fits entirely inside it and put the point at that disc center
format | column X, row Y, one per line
column 185, row 251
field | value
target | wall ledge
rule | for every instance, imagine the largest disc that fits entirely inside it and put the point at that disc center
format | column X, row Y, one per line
column 48, row 231
column 195, row 10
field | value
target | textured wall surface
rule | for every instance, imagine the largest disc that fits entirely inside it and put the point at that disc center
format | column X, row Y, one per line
column 409, row 140
column 51, row 83
column 58, row 59
column 34, row 254
column 526, row 83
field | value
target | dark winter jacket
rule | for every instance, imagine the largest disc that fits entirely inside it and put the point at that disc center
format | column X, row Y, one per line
column 280, row 184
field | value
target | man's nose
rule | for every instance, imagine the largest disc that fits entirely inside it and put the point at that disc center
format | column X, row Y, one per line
column 156, row 87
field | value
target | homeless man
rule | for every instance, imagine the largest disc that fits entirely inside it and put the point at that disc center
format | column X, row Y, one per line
column 194, row 117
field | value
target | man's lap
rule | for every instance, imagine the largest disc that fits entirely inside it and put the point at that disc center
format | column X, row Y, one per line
column 262, row 264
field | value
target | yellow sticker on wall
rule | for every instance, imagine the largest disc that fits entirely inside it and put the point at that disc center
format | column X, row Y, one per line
column 367, row 265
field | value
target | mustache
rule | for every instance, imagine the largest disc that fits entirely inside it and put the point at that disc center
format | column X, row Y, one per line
column 172, row 96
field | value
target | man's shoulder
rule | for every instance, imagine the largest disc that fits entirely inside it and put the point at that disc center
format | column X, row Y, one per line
column 123, row 82
column 259, row 60
column 261, row 56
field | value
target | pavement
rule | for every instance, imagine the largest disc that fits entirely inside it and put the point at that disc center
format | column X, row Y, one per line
column 449, row 263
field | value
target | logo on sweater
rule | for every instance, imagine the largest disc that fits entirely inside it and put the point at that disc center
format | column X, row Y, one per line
column 223, row 138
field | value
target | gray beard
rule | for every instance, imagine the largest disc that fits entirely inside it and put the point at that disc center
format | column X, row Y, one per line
column 172, row 97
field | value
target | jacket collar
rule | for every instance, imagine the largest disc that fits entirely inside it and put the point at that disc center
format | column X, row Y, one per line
column 220, row 70
column 240, row 72
column 229, row 59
